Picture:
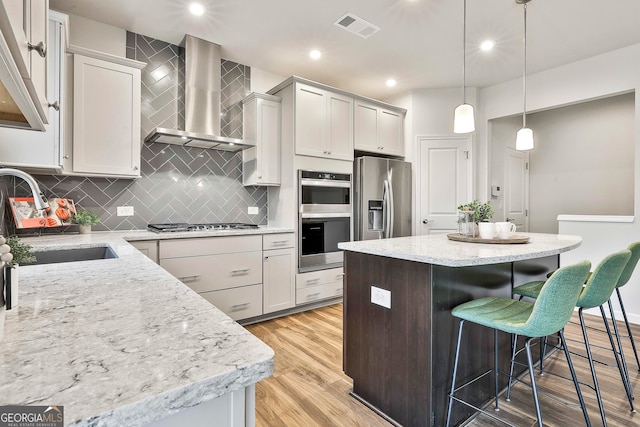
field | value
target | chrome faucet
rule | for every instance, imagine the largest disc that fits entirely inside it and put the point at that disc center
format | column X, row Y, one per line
column 38, row 197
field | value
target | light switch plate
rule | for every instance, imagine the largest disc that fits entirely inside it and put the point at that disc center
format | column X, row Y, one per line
column 253, row 210
column 381, row 297
column 124, row 210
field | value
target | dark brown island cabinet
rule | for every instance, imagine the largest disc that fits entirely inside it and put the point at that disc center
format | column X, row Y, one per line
column 399, row 334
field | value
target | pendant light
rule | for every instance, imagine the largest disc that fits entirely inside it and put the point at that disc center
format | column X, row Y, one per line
column 463, row 120
column 524, row 137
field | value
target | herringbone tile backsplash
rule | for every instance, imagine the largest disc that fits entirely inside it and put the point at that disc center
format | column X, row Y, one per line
column 177, row 184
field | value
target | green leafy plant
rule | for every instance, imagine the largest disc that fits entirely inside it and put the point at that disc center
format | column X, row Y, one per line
column 22, row 252
column 84, row 218
column 482, row 212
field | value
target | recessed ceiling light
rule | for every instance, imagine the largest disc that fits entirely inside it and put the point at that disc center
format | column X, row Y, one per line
column 196, row 9
column 487, row 45
column 315, row 54
column 391, row 83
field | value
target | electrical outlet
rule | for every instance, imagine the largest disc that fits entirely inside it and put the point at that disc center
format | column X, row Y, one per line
column 253, row 210
column 381, row 297
column 124, row 210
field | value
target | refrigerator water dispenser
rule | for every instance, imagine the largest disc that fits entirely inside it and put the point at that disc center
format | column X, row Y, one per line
column 376, row 215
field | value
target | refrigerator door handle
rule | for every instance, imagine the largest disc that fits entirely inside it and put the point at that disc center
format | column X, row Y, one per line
column 387, row 207
column 392, row 214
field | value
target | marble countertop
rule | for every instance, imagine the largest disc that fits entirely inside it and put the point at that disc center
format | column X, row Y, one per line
column 119, row 341
column 438, row 249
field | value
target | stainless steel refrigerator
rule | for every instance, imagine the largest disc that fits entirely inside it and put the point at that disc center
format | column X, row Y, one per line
column 382, row 198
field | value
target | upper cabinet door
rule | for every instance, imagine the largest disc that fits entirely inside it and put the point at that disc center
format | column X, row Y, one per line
column 339, row 144
column 310, row 121
column 106, row 118
column 366, row 127
column 391, row 135
column 23, row 63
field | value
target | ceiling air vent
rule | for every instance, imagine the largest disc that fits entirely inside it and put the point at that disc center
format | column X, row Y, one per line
column 356, row 25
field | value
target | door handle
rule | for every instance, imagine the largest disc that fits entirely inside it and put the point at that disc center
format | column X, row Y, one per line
column 510, row 219
column 426, row 221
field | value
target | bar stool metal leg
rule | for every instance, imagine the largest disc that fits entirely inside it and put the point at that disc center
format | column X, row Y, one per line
column 593, row 369
column 513, row 356
column 495, row 367
column 619, row 360
column 532, row 374
column 455, row 372
column 626, row 322
column 575, row 378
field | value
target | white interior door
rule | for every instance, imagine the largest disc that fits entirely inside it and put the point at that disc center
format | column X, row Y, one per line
column 516, row 188
column 444, row 182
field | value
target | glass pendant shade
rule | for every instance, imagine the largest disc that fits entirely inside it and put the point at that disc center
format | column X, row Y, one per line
column 463, row 120
column 524, row 139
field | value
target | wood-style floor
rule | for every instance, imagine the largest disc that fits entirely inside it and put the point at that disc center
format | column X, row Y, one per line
column 308, row 387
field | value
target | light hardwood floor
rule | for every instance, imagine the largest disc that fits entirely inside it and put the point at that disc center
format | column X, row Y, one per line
column 308, row 387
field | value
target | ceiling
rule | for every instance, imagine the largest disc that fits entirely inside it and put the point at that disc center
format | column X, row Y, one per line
column 419, row 44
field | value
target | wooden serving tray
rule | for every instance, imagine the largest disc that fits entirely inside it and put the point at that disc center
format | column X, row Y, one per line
column 515, row 238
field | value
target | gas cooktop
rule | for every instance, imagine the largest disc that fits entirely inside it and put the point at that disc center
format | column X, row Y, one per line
column 183, row 226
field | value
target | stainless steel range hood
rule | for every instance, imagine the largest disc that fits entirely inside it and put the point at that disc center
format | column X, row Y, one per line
column 202, row 102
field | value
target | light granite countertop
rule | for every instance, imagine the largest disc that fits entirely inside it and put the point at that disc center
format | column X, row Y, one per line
column 120, row 341
column 438, row 249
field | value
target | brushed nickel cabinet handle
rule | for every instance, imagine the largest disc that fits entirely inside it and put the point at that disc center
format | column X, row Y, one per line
column 189, row 278
column 41, row 48
column 240, row 270
column 239, row 306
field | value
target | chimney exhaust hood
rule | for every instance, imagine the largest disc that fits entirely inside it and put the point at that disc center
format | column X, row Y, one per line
column 202, row 102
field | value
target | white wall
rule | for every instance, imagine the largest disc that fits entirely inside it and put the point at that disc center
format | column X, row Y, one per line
column 262, row 81
column 583, row 161
column 602, row 76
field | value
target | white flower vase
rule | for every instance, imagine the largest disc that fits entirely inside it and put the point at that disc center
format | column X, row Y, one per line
column 85, row 228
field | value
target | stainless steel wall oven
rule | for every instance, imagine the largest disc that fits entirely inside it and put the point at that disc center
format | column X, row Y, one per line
column 324, row 219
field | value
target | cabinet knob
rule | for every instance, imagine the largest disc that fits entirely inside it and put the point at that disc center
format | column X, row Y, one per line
column 259, row 176
column 41, row 48
column 66, row 157
column 135, row 168
column 55, row 106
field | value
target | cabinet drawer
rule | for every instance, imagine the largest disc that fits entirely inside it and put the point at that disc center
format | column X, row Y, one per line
column 315, row 278
column 214, row 272
column 237, row 303
column 278, row 241
column 320, row 292
column 209, row 246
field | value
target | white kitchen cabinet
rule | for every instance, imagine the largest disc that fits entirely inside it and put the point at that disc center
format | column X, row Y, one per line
column 261, row 124
column 40, row 152
column 323, row 123
column 318, row 285
column 226, row 270
column 105, row 130
column 23, row 63
column 378, row 129
column 278, row 270
column 148, row 248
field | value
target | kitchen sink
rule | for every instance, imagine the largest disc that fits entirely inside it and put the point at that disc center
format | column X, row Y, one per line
column 72, row 255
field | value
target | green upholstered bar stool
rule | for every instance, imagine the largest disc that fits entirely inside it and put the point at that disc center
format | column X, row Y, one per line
column 624, row 279
column 596, row 291
column 547, row 315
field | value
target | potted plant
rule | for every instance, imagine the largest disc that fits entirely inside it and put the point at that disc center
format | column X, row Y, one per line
column 85, row 220
column 482, row 212
column 14, row 252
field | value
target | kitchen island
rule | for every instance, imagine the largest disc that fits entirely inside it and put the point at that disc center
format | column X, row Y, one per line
column 122, row 342
column 399, row 335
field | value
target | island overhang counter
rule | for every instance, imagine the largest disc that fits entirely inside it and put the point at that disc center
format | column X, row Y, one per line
column 399, row 334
